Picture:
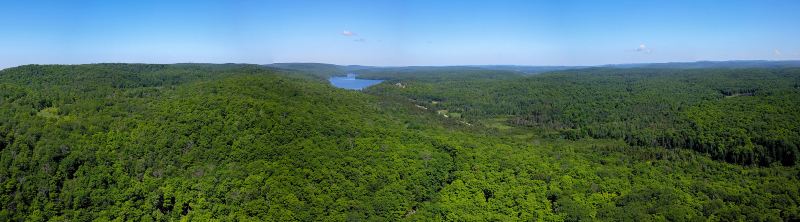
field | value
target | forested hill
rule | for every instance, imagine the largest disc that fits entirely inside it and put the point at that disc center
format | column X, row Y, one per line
column 734, row 64
column 745, row 116
column 233, row 142
column 154, row 142
column 323, row 71
column 318, row 70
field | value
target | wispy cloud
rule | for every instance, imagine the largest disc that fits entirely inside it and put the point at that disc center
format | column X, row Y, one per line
column 777, row 52
column 643, row 48
column 360, row 40
column 348, row 33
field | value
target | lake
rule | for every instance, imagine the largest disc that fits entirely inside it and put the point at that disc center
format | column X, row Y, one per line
column 351, row 82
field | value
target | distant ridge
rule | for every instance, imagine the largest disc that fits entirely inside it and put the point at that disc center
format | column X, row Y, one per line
column 322, row 68
column 713, row 64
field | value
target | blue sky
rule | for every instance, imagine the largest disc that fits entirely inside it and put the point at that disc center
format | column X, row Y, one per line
column 395, row 33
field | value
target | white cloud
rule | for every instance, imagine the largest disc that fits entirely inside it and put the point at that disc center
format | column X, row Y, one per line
column 643, row 48
column 348, row 33
column 777, row 52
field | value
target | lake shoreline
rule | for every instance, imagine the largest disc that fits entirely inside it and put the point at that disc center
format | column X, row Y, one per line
column 351, row 82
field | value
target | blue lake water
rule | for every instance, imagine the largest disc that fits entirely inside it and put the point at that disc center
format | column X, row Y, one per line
column 351, row 82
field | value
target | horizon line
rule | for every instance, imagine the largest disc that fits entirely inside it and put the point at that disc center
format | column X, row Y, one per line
column 391, row 66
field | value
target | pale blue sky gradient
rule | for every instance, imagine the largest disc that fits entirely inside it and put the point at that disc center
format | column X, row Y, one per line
column 395, row 33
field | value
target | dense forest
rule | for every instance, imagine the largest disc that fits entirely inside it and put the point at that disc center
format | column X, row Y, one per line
column 744, row 116
column 235, row 142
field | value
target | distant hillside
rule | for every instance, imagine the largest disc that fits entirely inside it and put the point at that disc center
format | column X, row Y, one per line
column 713, row 64
column 529, row 69
column 435, row 73
column 324, row 71
column 321, row 70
